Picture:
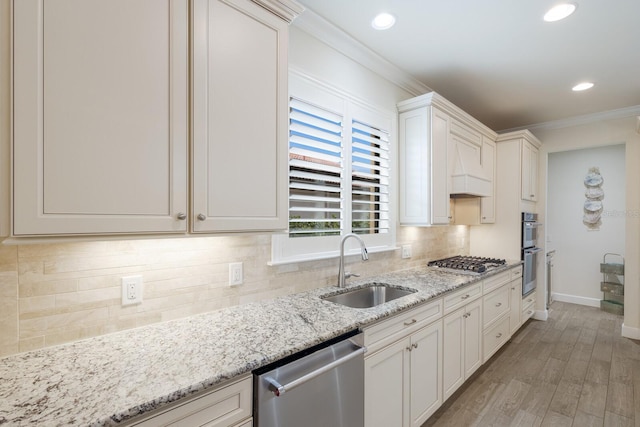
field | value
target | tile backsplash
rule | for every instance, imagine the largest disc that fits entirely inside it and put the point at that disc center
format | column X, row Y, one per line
column 61, row 292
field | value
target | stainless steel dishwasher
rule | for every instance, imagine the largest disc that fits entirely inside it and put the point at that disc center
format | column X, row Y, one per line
column 319, row 387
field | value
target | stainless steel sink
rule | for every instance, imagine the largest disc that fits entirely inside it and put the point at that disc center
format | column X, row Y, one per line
column 371, row 295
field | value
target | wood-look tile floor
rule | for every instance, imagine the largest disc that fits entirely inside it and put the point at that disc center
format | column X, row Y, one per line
column 575, row 369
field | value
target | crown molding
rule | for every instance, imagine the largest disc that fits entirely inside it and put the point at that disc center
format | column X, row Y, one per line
column 334, row 37
column 285, row 9
column 619, row 113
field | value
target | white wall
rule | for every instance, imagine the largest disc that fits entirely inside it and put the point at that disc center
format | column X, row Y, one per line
column 598, row 133
column 579, row 250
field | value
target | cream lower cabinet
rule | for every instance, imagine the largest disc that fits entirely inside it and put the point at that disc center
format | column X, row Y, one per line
column 402, row 377
column 462, row 347
column 227, row 406
column 515, row 313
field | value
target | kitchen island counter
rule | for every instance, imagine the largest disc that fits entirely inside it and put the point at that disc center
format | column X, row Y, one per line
column 109, row 379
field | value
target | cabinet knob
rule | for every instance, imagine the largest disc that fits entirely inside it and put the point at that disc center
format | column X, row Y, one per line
column 532, row 195
column 499, row 335
column 484, row 217
column 410, row 323
column 201, row 217
column 465, row 296
column 498, row 304
column 181, row 216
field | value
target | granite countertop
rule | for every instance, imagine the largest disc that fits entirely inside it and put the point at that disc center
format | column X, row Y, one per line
column 106, row 380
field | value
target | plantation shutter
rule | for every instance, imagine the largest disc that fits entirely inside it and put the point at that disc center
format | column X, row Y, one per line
column 369, row 179
column 315, row 171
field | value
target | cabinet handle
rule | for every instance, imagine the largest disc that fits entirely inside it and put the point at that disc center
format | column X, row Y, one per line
column 498, row 304
column 414, row 345
column 484, row 217
column 465, row 315
column 181, row 216
column 499, row 335
column 532, row 195
column 465, row 296
column 410, row 323
column 201, row 217
column 513, row 289
column 409, row 348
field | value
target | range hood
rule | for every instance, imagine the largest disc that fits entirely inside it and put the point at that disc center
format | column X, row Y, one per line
column 468, row 179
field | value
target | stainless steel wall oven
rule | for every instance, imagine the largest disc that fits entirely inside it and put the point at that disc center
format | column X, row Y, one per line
column 529, row 251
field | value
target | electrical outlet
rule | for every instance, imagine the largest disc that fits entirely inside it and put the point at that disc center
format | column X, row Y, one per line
column 406, row 251
column 131, row 290
column 236, row 276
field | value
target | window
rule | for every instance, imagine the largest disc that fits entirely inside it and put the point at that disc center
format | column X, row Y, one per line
column 339, row 175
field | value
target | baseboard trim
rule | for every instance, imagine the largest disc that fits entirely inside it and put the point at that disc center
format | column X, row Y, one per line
column 591, row 302
column 541, row 315
column 629, row 332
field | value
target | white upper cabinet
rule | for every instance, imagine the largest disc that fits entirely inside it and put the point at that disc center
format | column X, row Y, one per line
column 442, row 155
column 424, row 152
column 100, row 116
column 529, row 162
column 240, row 117
column 488, row 204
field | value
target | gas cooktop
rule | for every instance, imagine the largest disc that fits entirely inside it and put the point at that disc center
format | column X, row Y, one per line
column 467, row 264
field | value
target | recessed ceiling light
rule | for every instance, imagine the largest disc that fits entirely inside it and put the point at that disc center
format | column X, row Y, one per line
column 383, row 21
column 559, row 12
column 582, row 86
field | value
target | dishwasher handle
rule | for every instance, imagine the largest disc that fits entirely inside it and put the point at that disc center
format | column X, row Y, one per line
column 279, row 389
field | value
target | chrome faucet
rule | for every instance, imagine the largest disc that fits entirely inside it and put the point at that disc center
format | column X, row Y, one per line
column 342, row 276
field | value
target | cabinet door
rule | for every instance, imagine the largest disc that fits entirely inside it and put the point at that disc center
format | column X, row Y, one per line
column 386, row 382
column 240, row 117
column 529, row 177
column 414, row 170
column 533, row 179
column 440, row 158
column 100, row 116
column 453, row 352
column 488, row 204
column 515, row 289
column 472, row 337
column 426, row 368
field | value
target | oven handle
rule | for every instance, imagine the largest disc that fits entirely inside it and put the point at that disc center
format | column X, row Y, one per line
column 533, row 224
column 532, row 251
column 279, row 389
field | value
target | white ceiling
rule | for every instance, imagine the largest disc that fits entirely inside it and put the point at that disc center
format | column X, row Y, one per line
column 498, row 60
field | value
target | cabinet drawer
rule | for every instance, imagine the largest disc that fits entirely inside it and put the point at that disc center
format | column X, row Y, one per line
column 528, row 300
column 493, row 282
column 219, row 408
column 495, row 337
column 516, row 272
column 387, row 331
column 528, row 307
column 495, row 305
column 461, row 297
